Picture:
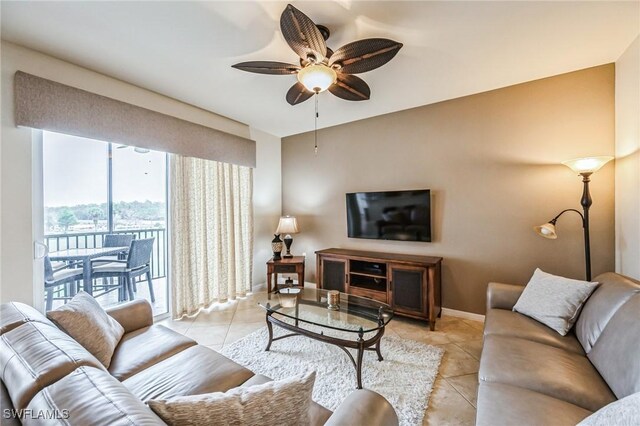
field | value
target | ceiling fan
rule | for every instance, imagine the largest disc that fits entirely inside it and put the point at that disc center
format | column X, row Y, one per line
column 321, row 68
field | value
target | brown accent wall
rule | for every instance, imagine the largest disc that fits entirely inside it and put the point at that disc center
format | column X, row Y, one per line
column 492, row 163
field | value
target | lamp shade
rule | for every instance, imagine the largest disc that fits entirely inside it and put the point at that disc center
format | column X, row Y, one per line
column 587, row 165
column 288, row 225
column 317, row 77
column 548, row 230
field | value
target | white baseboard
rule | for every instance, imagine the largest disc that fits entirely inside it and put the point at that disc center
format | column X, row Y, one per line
column 462, row 314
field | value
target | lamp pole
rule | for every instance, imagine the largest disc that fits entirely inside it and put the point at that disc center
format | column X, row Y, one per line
column 586, row 202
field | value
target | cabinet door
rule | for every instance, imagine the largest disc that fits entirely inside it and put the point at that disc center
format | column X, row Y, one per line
column 409, row 289
column 334, row 274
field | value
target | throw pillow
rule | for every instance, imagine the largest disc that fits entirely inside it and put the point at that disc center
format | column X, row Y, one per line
column 554, row 301
column 625, row 411
column 85, row 320
column 278, row 403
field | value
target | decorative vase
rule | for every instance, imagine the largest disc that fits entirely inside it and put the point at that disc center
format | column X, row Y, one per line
column 276, row 247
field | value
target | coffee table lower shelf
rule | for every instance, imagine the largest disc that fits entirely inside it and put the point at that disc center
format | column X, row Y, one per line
column 361, row 345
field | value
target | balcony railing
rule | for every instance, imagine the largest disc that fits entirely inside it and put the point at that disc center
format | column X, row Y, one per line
column 57, row 242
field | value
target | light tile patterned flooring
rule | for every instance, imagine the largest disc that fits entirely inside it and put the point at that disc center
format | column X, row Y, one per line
column 453, row 400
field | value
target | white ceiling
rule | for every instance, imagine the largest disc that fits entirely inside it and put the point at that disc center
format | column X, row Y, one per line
column 185, row 49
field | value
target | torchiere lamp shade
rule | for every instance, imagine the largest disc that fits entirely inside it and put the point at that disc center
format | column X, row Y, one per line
column 587, row 165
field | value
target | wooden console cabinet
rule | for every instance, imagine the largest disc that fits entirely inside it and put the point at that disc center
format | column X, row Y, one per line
column 409, row 283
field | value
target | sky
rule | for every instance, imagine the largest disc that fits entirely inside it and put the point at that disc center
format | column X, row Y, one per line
column 75, row 172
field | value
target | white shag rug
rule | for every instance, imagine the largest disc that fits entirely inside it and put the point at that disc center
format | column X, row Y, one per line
column 405, row 377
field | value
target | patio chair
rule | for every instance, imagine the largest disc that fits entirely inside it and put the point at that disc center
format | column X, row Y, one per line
column 138, row 263
column 62, row 279
column 118, row 240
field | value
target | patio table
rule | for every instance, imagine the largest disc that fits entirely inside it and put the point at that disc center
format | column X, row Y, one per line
column 85, row 255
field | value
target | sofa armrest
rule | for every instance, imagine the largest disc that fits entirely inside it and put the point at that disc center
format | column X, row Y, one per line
column 132, row 315
column 364, row 407
column 503, row 296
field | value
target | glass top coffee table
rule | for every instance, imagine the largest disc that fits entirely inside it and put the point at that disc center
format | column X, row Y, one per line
column 356, row 322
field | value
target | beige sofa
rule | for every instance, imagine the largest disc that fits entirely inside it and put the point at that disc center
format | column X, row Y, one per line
column 44, row 371
column 531, row 375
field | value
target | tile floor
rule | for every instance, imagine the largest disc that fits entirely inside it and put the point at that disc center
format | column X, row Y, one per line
column 453, row 399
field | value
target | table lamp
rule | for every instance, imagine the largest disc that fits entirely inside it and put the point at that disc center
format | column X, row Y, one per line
column 584, row 167
column 288, row 225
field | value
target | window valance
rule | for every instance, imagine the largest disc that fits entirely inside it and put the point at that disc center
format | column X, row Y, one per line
column 48, row 105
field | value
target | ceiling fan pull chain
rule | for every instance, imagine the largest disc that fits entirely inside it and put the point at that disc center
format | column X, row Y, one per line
column 315, row 132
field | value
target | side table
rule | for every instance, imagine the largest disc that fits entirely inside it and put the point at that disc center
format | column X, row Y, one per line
column 287, row 265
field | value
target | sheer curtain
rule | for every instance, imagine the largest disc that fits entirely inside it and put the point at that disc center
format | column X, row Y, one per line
column 211, row 221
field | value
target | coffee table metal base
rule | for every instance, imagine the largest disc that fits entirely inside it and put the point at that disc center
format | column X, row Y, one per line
column 361, row 345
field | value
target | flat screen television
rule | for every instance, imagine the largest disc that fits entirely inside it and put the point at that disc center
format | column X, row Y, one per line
column 390, row 215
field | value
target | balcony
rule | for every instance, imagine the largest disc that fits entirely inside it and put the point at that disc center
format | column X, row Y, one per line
column 57, row 242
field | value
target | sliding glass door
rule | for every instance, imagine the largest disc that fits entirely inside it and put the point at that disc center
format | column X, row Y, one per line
column 94, row 190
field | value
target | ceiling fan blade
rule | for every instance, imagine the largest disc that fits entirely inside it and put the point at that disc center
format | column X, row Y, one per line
column 267, row 67
column 298, row 94
column 365, row 55
column 302, row 35
column 351, row 88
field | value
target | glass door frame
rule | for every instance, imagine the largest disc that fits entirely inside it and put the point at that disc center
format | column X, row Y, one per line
column 38, row 218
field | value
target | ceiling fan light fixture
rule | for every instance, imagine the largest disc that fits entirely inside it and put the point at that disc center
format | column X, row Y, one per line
column 317, row 77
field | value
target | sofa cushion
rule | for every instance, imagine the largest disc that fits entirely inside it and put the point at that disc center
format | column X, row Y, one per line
column 508, row 323
column 249, row 405
column 545, row 369
column 616, row 353
column 90, row 396
column 36, row 355
column 195, row 370
column 14, row 314
column 145, row 347
column 625, row 411
column 613, row 292
column 84, row 319
column 505, row 405
column 554, row 301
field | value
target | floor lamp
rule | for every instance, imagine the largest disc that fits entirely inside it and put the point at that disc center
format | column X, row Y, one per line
column 584, row 167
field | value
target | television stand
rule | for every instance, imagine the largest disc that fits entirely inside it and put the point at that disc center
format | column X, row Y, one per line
column 411, row 284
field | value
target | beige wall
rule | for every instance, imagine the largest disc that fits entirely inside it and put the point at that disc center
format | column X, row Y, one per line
column 628, row 161
column 17, row 187
column 492, row 163
column 267, row 200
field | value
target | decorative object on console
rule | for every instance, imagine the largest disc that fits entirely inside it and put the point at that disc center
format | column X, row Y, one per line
column 276, row 247
column 554, row 301
column 288, row 225
column 585, row 167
